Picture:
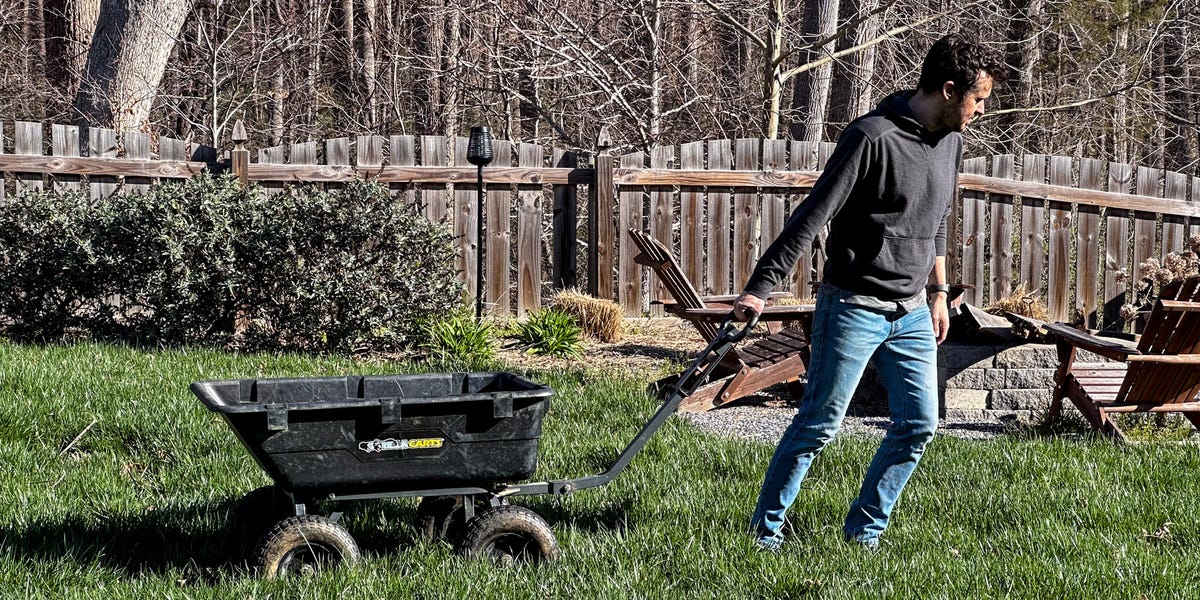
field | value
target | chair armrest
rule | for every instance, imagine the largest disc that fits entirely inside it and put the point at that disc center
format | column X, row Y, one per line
column 1180, row 305
column 1171, row 359
column 771, row 313
column 729, row 298
column 1069, row 335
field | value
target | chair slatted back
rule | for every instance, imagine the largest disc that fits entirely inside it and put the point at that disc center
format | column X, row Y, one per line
column 1167, row 332
column 658, row 257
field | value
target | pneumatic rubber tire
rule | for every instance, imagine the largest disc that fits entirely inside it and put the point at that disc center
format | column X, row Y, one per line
column 303, row 545
column 508, row 535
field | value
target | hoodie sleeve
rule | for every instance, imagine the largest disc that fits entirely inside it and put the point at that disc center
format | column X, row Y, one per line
column 842, row 172
column 939, row 240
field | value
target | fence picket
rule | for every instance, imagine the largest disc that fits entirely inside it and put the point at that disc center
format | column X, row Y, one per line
column 529, row 235
column 1000, row 243
column 168, row 148
column 629, row 211
column 466, row 224
column 434, row 200
column 662, row 219
column 1087, row 240
column 1193, row 197
column 65, row 142
column 102, row 143
column 745, row 215
column 499, row 238
column 368, row 151
column 1058, row 301
column 691, row 216
column 1116, row 247
column 565, row 225
column 973, row 223
column 720, row 157
column 1174, row 227
column 402, row 153
column 137, row 147
column 1033, row 168
column 773, row 205
column 27, row 141
column 1145, row 223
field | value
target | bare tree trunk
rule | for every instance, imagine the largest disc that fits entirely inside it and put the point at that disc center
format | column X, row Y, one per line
column 278, row 96
column 652, row 17
column 773, row 68
column 430, row 35
column 369, row 67
column 129, row 53
column 1121, row 141
column 1024, row 54
column 811, row 97
column 862, row 92
column 316, row 29
column 452, row 75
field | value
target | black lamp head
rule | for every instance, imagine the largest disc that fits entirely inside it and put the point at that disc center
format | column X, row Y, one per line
column 479, row 148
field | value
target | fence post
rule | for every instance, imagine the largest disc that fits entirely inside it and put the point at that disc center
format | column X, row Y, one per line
column 601, row 239
column 240, row 158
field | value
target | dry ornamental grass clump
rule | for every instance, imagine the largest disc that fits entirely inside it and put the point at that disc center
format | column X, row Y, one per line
column 1153, row 274
column 1020, row 302
column 600, row 319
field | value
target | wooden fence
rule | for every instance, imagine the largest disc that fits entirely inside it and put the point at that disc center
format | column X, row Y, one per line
column 1063, row 226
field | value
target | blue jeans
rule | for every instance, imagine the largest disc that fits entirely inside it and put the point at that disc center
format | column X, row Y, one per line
column 844, row 338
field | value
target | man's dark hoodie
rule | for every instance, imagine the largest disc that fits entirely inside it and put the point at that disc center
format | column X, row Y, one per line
column 886, row 192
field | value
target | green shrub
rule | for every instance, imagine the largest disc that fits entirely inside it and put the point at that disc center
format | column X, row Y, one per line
column 208, row 261
column 552, row 333
column 459, row 339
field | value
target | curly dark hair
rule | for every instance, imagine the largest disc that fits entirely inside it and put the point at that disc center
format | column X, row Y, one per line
column 959, row 59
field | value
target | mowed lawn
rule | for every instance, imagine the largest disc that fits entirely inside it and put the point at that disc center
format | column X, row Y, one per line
column 115, row 483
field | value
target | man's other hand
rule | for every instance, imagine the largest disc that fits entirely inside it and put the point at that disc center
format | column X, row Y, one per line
column 941, row 316
column 747, row 301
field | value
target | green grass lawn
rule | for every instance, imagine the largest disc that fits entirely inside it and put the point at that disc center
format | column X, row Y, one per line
column 136, row 506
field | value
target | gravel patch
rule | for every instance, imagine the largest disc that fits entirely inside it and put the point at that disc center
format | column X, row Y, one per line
column 766, row 423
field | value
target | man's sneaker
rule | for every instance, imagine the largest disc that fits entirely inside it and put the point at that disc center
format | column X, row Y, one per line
column 870, row 544
column 768, row 544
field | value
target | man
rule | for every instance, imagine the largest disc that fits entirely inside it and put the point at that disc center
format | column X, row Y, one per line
column 885, row 193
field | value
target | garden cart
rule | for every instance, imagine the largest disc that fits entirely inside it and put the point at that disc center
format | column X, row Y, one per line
column 455, row 440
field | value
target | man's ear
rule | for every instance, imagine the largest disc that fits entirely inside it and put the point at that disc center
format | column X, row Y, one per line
column 949, row 90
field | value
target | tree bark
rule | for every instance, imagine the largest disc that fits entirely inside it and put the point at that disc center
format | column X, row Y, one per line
column 1024, row 54
column 130, row 49
column 369, row 62
column 811, row 97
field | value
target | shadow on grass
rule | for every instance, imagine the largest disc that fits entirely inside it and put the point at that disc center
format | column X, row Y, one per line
column 137, row 545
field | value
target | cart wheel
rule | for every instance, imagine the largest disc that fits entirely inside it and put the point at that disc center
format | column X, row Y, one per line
column 508, row 535
column 252, row 515
column 303, row 545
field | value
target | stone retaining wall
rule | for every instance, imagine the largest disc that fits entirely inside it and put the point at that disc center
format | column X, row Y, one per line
column 983, row 379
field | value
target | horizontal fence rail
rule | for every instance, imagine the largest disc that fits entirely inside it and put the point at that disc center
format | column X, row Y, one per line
column 1068, row 229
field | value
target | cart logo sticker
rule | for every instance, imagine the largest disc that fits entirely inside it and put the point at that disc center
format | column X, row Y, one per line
column 395, row 444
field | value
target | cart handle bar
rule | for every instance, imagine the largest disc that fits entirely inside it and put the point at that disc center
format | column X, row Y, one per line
column 727, row 336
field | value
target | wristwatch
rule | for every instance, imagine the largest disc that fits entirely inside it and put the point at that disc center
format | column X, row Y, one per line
column 938, row 287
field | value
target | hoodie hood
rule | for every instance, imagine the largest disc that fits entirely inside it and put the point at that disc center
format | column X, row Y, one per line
column 895, row 108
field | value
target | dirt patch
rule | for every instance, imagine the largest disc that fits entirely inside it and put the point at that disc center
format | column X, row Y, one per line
column 648, row 347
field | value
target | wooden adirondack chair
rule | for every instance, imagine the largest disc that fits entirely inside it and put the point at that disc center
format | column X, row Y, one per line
column 778, row 358
column 1160, row 374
